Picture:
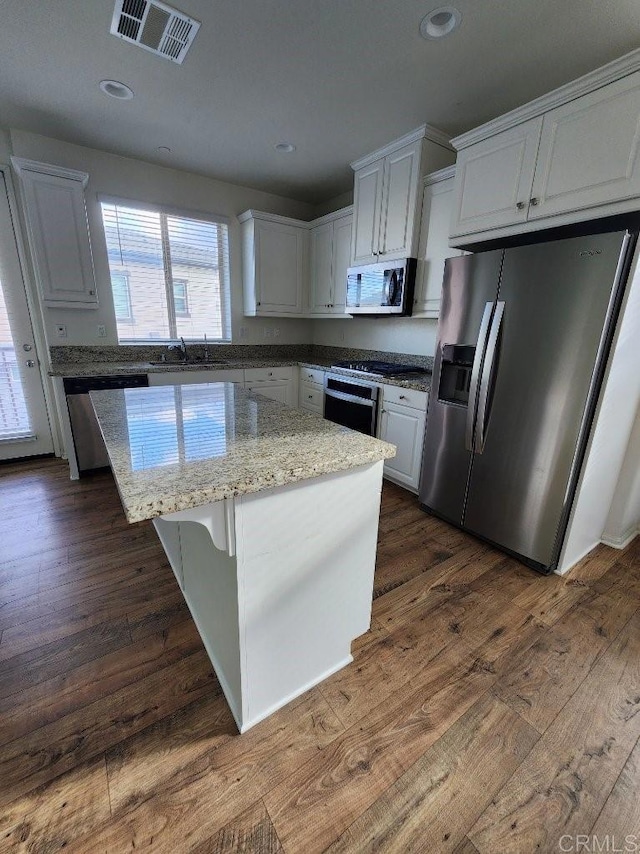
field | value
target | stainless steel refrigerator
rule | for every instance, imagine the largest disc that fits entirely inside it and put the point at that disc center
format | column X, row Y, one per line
column 523, row 340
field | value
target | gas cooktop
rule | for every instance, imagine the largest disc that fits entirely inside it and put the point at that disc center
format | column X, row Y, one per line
column 382, row 369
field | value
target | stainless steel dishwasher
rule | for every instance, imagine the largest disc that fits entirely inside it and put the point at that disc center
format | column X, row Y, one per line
column 87, row 439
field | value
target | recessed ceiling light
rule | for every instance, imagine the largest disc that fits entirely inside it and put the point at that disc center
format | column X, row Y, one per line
column 115, row 89
column 440, row 22
column 287, row 147
column 164, row 149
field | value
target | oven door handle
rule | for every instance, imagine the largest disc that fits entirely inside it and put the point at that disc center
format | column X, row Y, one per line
column 351, row 398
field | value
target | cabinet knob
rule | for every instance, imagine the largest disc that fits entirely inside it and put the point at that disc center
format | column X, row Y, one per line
column 534, row 201
column 258, row 303
column 521, row 205
column 310, row 396
column 403, row 397
column 92, row 293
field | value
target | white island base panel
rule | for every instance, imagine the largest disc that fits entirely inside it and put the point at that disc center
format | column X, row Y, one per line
column 279, row 583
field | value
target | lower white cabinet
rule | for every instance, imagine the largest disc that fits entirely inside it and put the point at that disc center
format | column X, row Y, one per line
column 278, row 383
column 311, row 390
column 403, row 425
column 280, row 390
column 189, row 377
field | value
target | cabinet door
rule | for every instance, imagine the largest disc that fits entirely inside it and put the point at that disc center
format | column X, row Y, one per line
column 59, row 233
column 280, row 390
column 434, row 247
column 279, row 264
column 399, row 198
column 588, row 153
column 321, row 258
column 341, row 257
column 403, row 427
column 494, row 179
column 190, row 377
column 367, row 201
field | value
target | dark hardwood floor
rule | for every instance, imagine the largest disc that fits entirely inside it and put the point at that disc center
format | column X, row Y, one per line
column 488, row 709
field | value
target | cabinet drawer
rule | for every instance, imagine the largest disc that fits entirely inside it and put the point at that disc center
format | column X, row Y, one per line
column 252, row 374
column 312, row 375
column 311, row 397
column 405, row 397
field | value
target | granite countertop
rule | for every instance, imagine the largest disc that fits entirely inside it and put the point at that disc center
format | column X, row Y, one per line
column 97, row 369
column 176, row 447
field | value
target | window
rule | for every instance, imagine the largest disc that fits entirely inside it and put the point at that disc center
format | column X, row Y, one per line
column 169, row 274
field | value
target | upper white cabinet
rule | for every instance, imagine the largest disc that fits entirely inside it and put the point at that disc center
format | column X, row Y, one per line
column 330, row 247
column 588, row 153
column 58, row 231
column 386, row 195
column 570, row 156
column 494, row 179
column 274, row 255
column 433, row 247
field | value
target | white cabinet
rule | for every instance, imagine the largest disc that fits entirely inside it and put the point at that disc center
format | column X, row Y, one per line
column 386, row 195
column 576, row 157
column 494, row 178
column 58, row 231
column 588, row 153
column 330, row 247
column 433, row 247
column 402, row 423
column 311, row 390
column 274, row 255
column 196, row 376
column 276, row 383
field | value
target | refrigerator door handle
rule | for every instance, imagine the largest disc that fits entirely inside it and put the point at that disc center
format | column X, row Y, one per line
column 486, row 382
column 475, row 376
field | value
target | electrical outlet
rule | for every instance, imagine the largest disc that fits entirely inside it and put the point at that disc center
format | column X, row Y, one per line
column 276, row 332
column 267, row 331
column 102, row 330
column 243, row 331
column 61, row 330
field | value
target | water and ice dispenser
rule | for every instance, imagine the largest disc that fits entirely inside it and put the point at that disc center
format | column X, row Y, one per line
column 455, row 373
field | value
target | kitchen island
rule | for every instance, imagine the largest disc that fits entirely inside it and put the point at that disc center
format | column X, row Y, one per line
column 269, row 518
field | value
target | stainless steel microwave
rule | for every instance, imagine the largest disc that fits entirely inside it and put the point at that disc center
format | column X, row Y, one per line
column 383, row 288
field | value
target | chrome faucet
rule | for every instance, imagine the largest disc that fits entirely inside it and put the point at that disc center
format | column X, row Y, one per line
column 182, row 347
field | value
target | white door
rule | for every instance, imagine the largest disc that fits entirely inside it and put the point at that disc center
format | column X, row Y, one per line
column 341, row 254
column 367, row 201
column 279, row 390
column 24, row 423
column 399, row 202
column 279, row 252
column 573, row 175
column 321, row 238
column 403, row 427
column 494, row 179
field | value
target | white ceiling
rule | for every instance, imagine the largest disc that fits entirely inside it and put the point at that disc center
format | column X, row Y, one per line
column 338, row 78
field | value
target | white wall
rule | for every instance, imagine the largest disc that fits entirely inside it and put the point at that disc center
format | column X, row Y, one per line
column 624, row 517
column 396, row 335
column 134, row 179
column 611, row 434
column 331, row 205
column 5, row 146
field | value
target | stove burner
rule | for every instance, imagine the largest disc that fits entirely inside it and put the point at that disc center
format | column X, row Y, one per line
column 384, row 369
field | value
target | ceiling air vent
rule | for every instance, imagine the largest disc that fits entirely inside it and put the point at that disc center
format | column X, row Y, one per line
column 155, row 27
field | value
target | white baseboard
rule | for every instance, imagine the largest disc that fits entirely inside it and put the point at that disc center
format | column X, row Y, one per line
column 623, row 540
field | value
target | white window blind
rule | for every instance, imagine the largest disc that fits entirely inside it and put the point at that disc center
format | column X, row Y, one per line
column 169, row 274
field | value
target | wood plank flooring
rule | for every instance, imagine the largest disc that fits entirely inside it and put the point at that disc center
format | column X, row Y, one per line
column 488, row 708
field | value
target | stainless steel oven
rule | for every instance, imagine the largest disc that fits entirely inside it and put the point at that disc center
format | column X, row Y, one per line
column 351, row 402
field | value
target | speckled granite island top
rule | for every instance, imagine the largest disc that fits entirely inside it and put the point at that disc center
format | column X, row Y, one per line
column 176, row 447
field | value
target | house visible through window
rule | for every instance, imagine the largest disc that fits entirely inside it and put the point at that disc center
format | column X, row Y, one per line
column 180, row 297
column 121, row 297
column 169, row 274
